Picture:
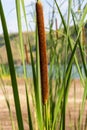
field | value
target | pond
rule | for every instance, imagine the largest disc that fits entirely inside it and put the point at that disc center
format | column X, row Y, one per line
column 74, row 74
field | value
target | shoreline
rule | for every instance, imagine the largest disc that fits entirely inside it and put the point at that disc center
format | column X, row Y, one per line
column 20, row 80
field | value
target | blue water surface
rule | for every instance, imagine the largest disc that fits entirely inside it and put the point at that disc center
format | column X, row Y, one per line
column 54, row 70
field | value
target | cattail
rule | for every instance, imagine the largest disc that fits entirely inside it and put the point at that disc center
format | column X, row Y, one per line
column 26, row 52
column 42, row 51
column 83, row 35
column 56, row 28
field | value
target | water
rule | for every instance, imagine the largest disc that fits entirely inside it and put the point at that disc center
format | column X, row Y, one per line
column 74, row 74
column 19, row 70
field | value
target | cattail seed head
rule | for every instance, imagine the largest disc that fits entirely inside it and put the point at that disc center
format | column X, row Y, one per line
column 42, row 51
column 83, row 35
column 26, row 52
column 56, row 28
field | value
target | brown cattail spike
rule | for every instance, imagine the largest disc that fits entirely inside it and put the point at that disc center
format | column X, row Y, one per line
column 26, row 52
column 83, row 35
column 42, row 51
column 56, row 28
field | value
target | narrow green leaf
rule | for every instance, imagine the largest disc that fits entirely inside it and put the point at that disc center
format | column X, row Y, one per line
column 69, row 12
column 28, row 108
column 82, row 18
column 20, row 34
column 23, row 59
column 83, row 104
column 80, row 47
column 12, row 70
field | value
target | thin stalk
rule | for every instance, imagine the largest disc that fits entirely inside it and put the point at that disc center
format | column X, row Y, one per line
column 46, row 116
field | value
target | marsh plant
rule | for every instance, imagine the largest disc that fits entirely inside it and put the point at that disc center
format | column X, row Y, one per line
column 50, row 90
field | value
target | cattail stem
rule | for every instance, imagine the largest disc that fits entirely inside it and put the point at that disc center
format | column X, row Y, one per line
column 42, row 51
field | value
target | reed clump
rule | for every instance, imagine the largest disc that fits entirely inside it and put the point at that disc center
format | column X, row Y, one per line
column 42, row 51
